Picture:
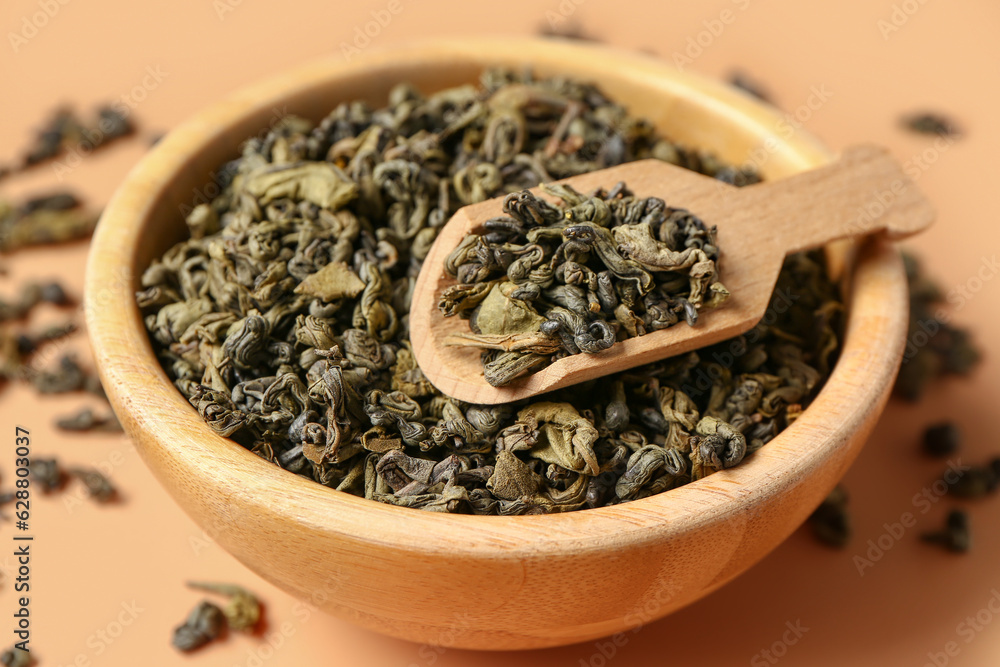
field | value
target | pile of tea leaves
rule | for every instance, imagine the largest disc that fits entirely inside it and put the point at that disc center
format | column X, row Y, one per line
column 549, row 280
column 283, row 319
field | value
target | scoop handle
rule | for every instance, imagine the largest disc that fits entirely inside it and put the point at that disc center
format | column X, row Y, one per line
column 863, row 192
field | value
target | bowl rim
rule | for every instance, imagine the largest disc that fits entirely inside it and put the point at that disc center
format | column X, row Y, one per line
column 171, row 435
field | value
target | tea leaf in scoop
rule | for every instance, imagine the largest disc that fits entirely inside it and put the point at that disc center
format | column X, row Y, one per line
column 595, row 269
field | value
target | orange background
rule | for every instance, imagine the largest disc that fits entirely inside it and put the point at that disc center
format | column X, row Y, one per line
column 90, row 563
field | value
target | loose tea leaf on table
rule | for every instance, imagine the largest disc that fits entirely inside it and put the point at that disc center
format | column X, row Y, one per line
column 15, row 657
column 975, row 481
column 955, row 535
column 204, row 624
column 65, row 131
column 942, row 439
column 931, row 123
column 243, row 609
column 934, row 348
column 98, row 486
column 747, row 83
column 51, row 219
column 88, row 420
column 831, row 521
column 283, row 319
column 31, row 295
column 47, row 473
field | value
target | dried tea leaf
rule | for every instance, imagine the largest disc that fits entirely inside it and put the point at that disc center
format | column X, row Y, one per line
column 334, row 281
column 319, row 183
column 45, row 226
column 955, row 536
column 205, row 623
column 567, row 438
column 47, row 473
column 931, row 123
column 15, row 657
column 242, row 610
column 88, row 420
column 98, row 486
column 831, row 522
column 499, row 314
column 512, row 478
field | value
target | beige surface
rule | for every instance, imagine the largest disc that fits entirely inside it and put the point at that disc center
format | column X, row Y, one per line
column 90, row 561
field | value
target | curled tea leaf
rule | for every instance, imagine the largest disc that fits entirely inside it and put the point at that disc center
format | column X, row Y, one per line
column 88, row 420
column 318, row 183
column 16, row 657
column 205, row 623
column 98, row 486
column 334, row 281
column 242, row 610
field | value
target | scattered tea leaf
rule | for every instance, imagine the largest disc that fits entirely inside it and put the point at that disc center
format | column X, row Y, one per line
column 88, row 420
column 98, row 486
column 205, row 623
column 15, row 657
column 242, row 611
column 831, row 521
column 955, row 535
column 747, row 83
column 942, row 440
column 931, row 123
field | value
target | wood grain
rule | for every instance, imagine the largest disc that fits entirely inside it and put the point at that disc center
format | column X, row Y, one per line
column 481, row 582
column 865, row 191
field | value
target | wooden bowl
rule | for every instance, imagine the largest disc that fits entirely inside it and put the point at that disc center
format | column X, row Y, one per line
column 469, row 581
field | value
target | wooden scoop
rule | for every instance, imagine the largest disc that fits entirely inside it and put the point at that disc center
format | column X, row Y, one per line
column 863, row 192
